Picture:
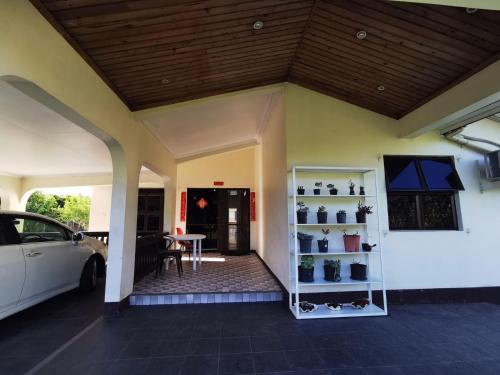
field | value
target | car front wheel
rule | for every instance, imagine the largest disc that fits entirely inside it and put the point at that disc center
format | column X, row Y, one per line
column 88, row 281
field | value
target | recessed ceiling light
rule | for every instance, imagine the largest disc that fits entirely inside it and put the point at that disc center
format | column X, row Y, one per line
column 380, row 88
column 165, row 81
column 471, row 10
column 361, row 34
column 257, row 25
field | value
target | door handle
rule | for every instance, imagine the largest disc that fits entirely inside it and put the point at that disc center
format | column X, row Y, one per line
column 33, row 254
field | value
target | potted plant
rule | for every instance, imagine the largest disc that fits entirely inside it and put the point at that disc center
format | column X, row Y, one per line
column 363, row 210
column 332, row 270
column 367, row 247
column 306, row 269
column 361, row 190
column 301, row 190
column 302, row 213
column 352, row 185
column 305, row 242
column 358, row 271
column 333, row 190
column 318, row 185
column 351, row 242
column 323, row 244
column 341, row 217
column 322, row 215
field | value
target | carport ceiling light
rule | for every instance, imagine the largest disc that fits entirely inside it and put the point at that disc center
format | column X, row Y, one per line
column 257, row 25
column 361, row 34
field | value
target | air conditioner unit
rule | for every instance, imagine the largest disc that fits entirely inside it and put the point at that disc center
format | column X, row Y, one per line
column 492, row 163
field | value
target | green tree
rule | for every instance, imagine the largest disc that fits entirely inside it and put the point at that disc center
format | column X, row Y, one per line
column 42, row 204
column 76, row 210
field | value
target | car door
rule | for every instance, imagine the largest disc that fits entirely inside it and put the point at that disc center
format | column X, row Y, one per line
column 53, row 262
column 12, row 267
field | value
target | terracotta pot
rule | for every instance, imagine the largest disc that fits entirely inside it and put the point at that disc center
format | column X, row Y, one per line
column 351, row 243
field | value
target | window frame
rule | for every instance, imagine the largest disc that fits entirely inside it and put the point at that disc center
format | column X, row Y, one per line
column 419, row 194
column 67, row 232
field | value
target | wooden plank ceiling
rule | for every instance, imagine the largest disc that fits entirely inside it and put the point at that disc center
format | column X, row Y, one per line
column 154, row 52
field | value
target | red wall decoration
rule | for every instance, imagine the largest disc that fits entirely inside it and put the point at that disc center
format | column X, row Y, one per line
column 218, row 183
column 252, row 206
column 183, row 206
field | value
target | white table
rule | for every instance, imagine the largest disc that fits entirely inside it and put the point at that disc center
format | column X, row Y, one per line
column 195, row 239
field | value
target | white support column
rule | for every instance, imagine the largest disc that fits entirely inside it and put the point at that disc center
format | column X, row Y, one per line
column 122, row 232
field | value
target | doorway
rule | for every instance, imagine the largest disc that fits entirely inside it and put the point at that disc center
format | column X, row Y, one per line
column 223, row 215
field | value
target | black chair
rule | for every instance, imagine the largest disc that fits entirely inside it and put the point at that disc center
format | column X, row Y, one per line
column 165, row 254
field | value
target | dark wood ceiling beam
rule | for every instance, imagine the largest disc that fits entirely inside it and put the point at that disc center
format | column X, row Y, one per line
column 197, row 74
column 180, row 35
column 377, row 60
column 176, row 12
column 154, row 86
column 191, row 61
column 222, row 42
column 411, row 32
column 435, row 21
column 394, row 45
column 385, row 76
column 354, row 84
column 187, row 26
column 340, row 93
column 381, row 52
column 359, row 76
column 189, row 89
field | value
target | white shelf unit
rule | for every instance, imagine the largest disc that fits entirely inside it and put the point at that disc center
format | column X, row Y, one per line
column 370, row 232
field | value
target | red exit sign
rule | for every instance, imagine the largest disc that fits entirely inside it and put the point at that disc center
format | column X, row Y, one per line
column 218, row 183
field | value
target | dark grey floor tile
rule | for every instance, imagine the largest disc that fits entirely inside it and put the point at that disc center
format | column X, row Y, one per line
column 128, row 367
column 165, row 366
column 294, row 342
column 270, row 362
column 338, row 358
column 384, row 370
column 236, row 364
column 139, row 349
column 489, row 367
column 455, row 368
column 208, row 330
column 17, row 365
column 304, row 360
column 349, row 371
column 167, row 348
column 265, row 344
column 235, row 345
column 421, row 370
column 204, row 346
column 200, row 365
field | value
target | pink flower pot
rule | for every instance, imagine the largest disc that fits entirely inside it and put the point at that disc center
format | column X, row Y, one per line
column 351, row 243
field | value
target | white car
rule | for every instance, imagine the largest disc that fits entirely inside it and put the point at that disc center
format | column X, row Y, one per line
column 40, row 258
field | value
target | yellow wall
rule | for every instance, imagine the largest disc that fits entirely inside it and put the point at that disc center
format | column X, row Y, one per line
column 274, row 194
column 324, row 131
column 235, row 168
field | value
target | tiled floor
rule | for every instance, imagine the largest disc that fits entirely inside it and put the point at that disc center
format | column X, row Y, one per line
column 217, row 274
column 26, row 338
column 264, row 338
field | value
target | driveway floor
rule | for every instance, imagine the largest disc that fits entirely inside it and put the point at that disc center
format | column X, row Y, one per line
column 265, row 338
column 26, row 338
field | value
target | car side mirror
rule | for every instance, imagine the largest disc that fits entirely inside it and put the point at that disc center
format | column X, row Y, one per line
column 77, row 237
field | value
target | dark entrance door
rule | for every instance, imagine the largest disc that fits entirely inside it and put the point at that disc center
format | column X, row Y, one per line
column 223, row 215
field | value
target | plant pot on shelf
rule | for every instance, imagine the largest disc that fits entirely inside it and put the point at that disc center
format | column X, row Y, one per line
column 322, row 217
column 341, row 217
column 323, row 246
column 334, row 191
column 305, row 245
column 306, row 275
column 332, row 273
column 358, row 271
column 317, row 191
column 360, row 217
column 301, row 191
column 351, row 243
column 301, row 217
